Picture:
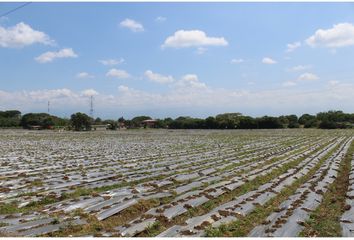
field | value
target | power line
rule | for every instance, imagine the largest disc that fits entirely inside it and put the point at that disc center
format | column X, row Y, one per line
column 15, row 9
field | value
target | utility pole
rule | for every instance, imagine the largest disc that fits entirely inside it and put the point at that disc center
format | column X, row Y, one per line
column 48, row 107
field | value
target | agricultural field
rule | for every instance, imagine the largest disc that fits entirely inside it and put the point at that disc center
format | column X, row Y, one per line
column 166, row 183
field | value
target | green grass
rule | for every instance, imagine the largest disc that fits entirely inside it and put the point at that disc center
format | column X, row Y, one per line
column 153, row 229
column 244, row 225
column 324, row 221
column 247, row 223
column 8, row 208
column 77, row 193
column 3, row 224
column 94, row 227
column 36, row 183
column 81, row 192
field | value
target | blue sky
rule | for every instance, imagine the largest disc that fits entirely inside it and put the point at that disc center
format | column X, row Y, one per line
column 173, row 59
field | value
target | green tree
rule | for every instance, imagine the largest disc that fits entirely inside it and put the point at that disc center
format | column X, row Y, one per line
column 10, row 114
column 328, row 124
column 80, row 121
column 111, row 124
column 121, row 120
column 267, row 122
column 168, row 122
column 10, row 118
column 43, row 120
column 228, row 120
column 136, row 122
column 305, row 118
column 284, row 120
column 247, row 122
column 211, row 123
column 98, row 121
column 160, row 123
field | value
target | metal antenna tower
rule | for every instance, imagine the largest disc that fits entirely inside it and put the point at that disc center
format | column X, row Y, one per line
column 91, row 107
column 48, row 107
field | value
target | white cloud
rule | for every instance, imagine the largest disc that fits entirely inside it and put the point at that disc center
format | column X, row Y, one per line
column 201, row 50
column 41, row 95
column 133, row 25
column 299, row 68
column 302, row 78
column 267, row 60
column 61, row 100
column 289, row 84
column 160, row 19
column 84, row 75
column 118, row 73
column 89, row 92
column 132, row 98
column 110, row 62
column 308, row 77
column 237, row 61
column 158, row 78
column 22, row 35
column 190, row 82
column 184, row 101
column 333, row 83
column 123, row 88
column 340, row 35
column 292, row 46
column 192, row 38
column 50, row 56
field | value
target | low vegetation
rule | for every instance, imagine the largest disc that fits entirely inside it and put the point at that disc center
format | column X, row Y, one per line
column 80, row 121
column 174, row 183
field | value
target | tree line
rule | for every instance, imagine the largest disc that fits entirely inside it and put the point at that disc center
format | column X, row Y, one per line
column 81, row 121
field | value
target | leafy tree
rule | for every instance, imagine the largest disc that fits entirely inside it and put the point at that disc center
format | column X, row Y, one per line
column 312, row 123
column 247, row 122
column 121, row 120
column 228, row 120
column 168, row 122
column 62, row 122
column 211, row 123
column 136, row 122
column 269, row 123
column 36, row 119
column 293, row 125
column 10, row 114
column 284, row 120
column 112, row 125
column 160, row 123
column 98, row 121
column 188, row 123
column 10, row 118
column 306, row 118
column 292, row 118
column 47, row 122
column 128, row 123
column 9, row 122
column 292, row 121
column 327, row 124
column 80, row 121
column 43, row 120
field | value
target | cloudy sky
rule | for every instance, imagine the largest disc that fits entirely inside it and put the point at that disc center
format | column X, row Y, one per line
column 177, row 59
